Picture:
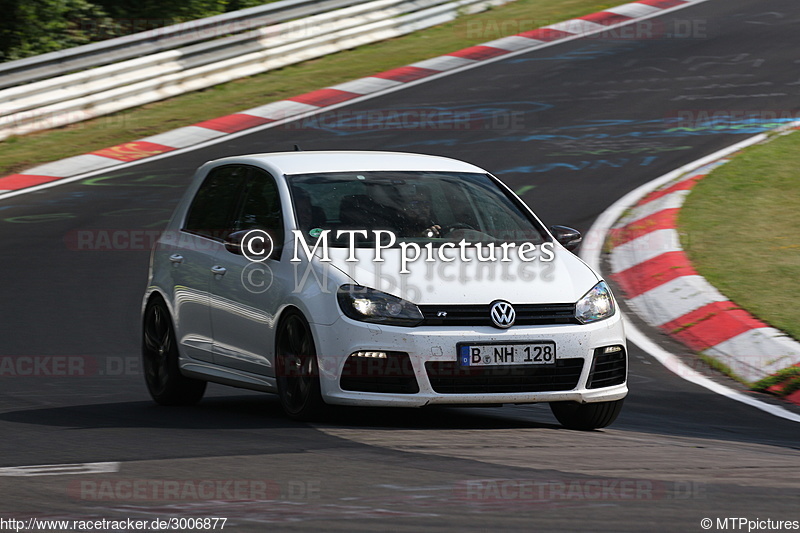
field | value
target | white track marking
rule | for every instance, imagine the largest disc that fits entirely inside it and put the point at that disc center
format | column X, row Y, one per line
column 65, row 167
column 366, row 85
column 676, row 298
column 59, row 470
column 672, row 200
column 182, row 137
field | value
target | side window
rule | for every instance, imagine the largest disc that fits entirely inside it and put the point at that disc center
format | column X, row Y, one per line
column 214, row 205
column 261, row 208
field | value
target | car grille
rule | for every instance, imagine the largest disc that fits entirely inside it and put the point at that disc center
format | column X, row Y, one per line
column 448, row 377
column 478, row 315
column 393, row 375
column 607, row 369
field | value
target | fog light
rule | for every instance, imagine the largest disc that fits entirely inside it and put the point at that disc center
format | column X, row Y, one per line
column 377, row 355
column 612, row 349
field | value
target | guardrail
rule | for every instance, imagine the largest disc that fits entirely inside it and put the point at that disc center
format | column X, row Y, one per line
column 157, row 40
column 115, row 75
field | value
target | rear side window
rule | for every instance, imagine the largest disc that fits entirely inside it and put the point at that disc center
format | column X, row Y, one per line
column 212, row 210
column 261, row 208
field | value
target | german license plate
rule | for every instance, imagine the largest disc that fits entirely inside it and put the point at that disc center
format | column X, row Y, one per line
column 540, row 353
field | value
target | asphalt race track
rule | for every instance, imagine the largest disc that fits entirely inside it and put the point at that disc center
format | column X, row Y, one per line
column 573, row 127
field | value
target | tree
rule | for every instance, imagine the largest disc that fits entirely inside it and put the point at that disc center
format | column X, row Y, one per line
column 31, row 27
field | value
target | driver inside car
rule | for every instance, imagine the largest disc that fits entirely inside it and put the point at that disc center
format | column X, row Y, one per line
column 421, row 219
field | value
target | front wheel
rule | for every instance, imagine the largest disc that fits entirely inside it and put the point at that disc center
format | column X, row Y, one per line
column 587, row 416
column 297, row 370
column 164, row 380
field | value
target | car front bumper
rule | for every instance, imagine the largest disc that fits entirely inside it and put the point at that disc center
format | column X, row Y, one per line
column 426, row 344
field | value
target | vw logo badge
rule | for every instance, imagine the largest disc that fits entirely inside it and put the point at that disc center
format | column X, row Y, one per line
column 503, row 314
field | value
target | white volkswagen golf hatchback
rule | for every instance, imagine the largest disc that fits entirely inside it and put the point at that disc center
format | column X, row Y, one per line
column 379, row 279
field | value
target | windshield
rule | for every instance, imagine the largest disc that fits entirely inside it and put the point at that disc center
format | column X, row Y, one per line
column 419, row 207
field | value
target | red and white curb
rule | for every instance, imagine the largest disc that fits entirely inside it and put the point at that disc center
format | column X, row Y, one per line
column 277, row 112
column 662, row 287
column 592, row 252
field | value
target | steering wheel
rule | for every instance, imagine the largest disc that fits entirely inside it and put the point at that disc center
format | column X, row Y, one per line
column 457, row 226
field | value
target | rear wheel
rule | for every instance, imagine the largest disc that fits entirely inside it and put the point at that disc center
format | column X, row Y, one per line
column 162, row 374
column 297, row 369
column 586, row 416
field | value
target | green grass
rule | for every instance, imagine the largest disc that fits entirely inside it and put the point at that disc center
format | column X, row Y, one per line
column 741, row 229
column 722, row 367
column 789, row 378
column 19, row 153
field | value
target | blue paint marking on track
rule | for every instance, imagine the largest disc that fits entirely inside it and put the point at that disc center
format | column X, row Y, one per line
column 587, row 53
column 715, row 127
column 594, row 124
column 577, row 166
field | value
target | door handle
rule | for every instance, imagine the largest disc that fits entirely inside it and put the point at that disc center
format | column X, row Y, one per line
column 218, row 270
column 176, row 259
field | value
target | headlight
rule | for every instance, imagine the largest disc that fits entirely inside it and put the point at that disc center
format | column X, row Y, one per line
column 597, row 304
column 370, row 305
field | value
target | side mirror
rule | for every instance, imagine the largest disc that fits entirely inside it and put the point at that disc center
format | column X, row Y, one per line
column 233, row 243
column 568, row 238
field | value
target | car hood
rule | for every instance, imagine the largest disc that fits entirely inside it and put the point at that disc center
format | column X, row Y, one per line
column 565, row 279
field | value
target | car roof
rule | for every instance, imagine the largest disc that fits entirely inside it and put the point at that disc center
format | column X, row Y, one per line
column 345, row 161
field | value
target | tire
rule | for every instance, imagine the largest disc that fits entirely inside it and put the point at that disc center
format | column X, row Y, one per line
column 297, row 369
column 162, row 373
column 587, row 416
